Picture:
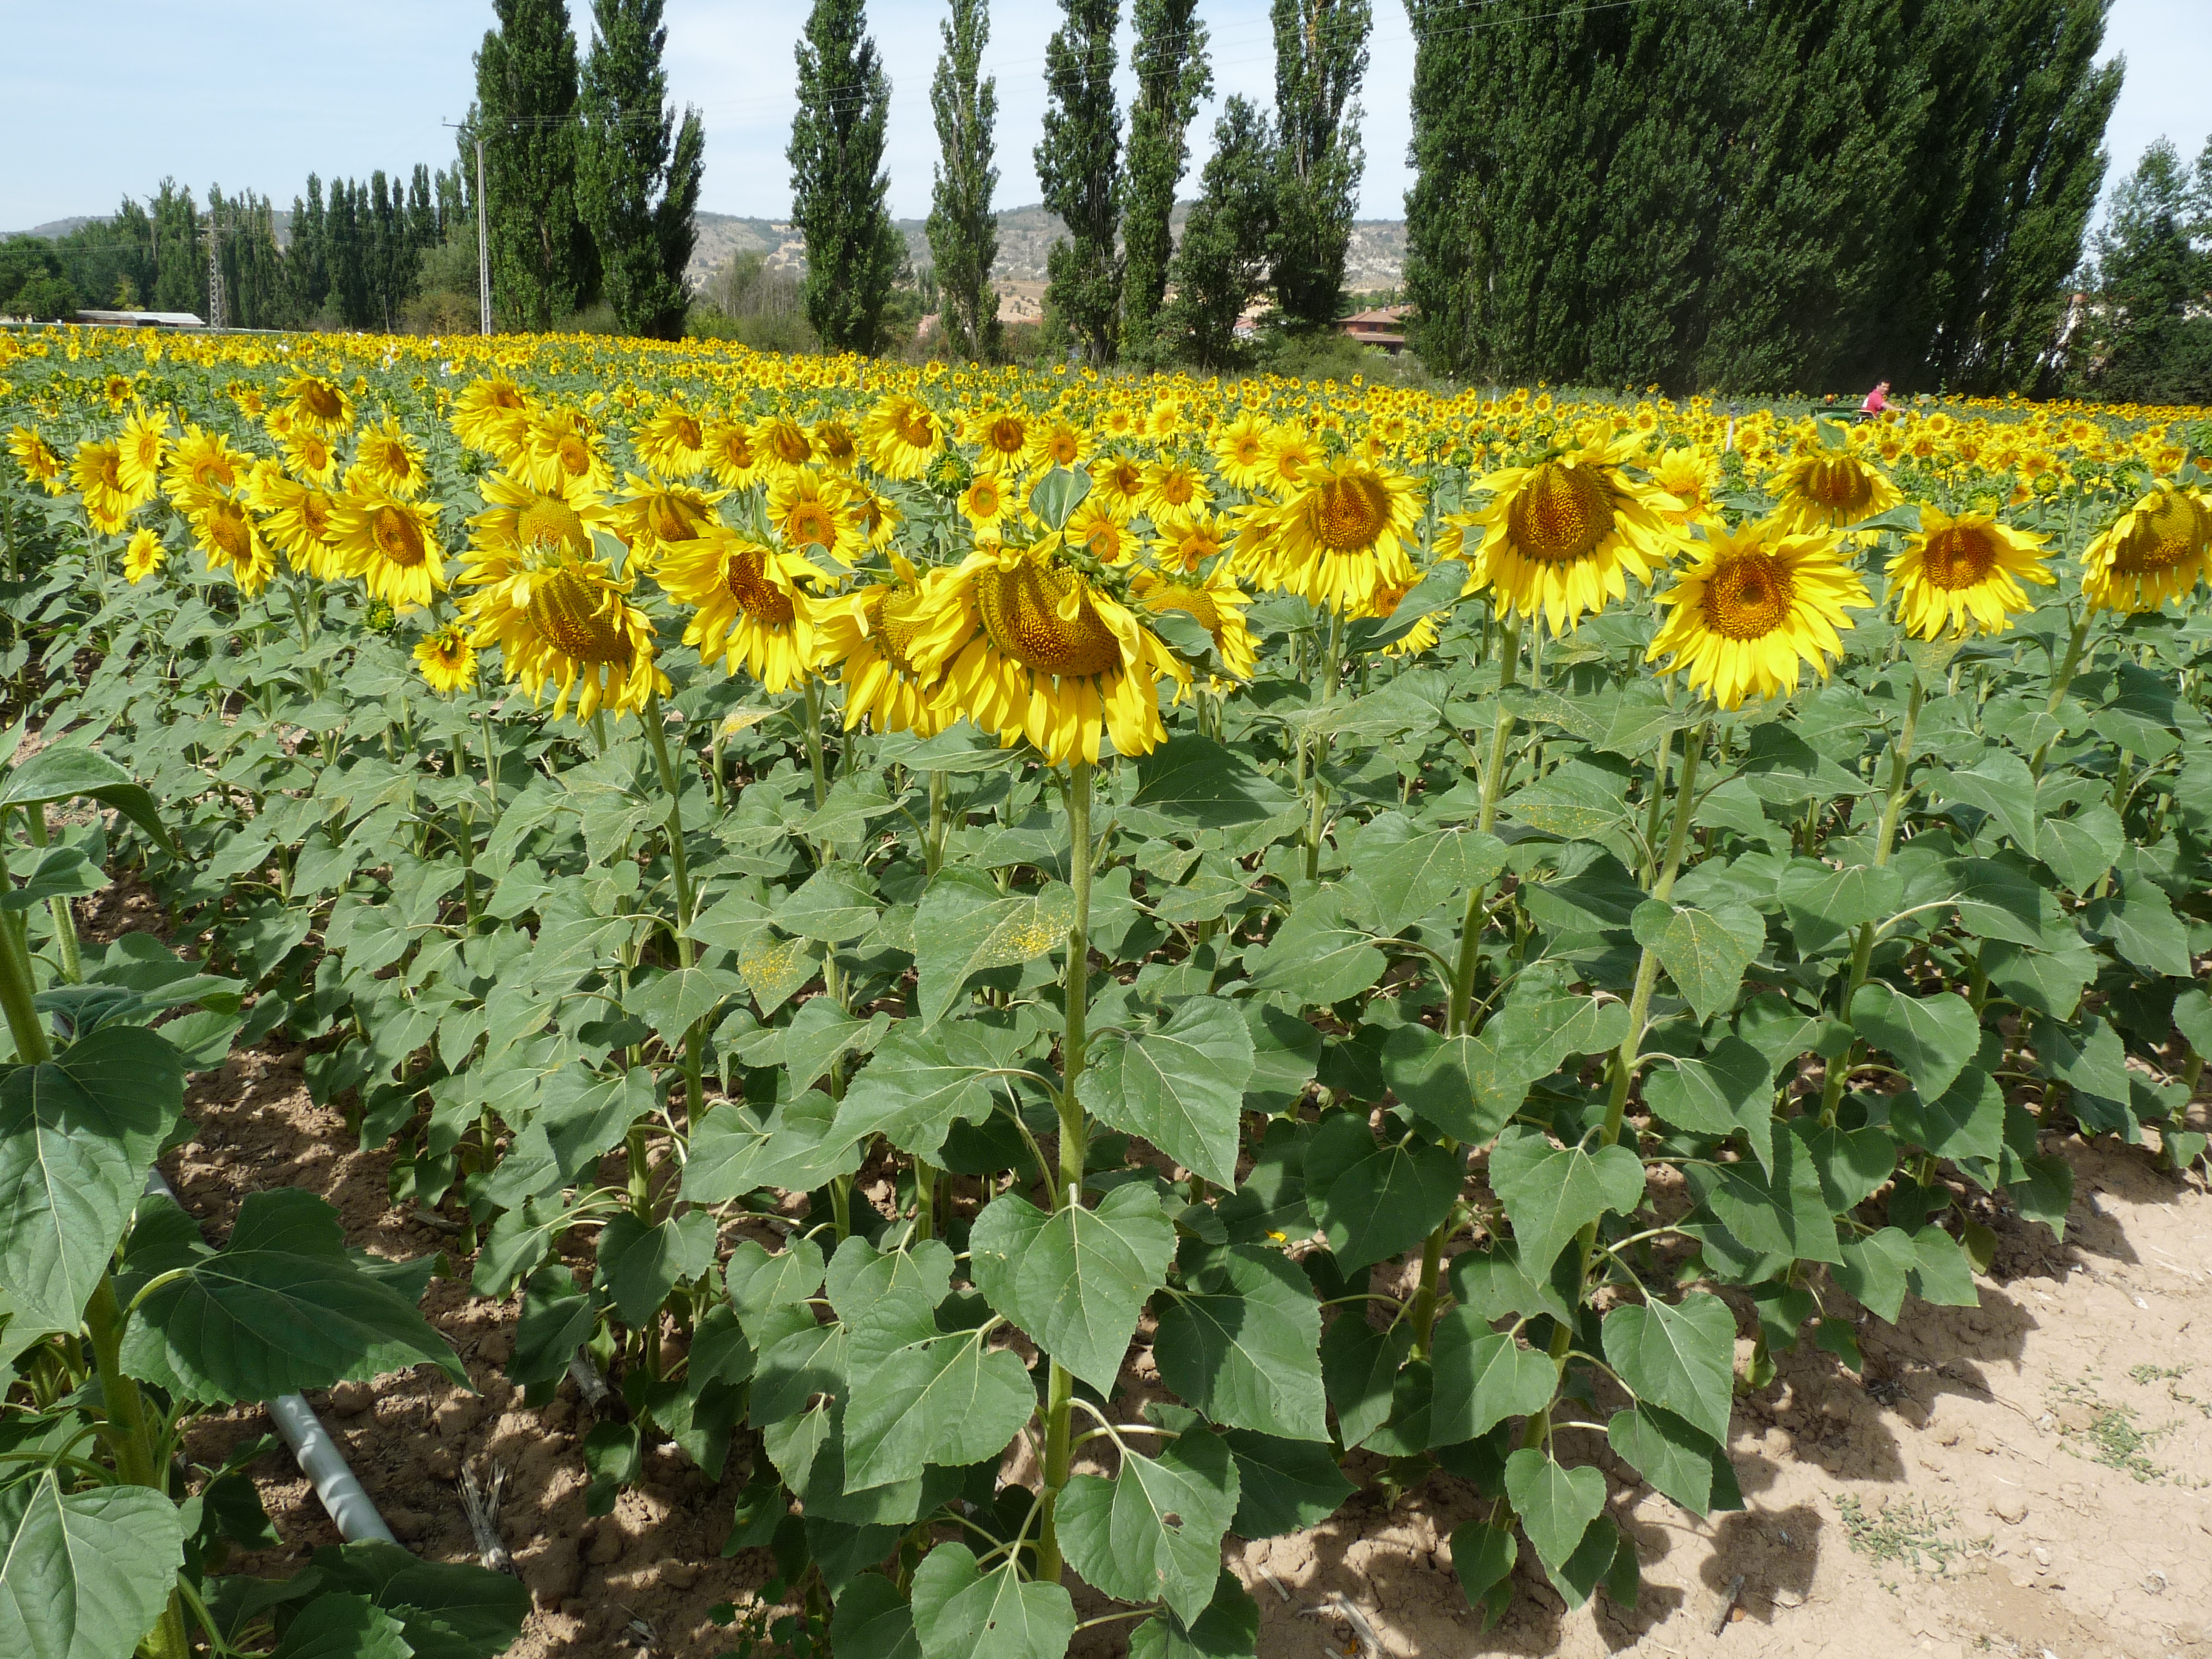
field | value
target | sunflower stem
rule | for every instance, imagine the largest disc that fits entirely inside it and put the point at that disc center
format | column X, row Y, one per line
column 932, row 852
column 656, row 729
column 65, row 944
column 1330, row 670
column 813, row 689
column 2059, row 683
column 1073, row 1145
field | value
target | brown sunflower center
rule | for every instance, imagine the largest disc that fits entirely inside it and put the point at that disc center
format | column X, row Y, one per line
column 1561, row 515
column 894, row 620
column 1959, row 555
column 550, row 522
column 2172, row 533
column 737, row 449
column 1351, row 513
column 576, row 619
column 1061, row 446
column 1007, row 435
column 669, row 520
column 1178, row 488
column 398, row 538
column 320, row 398
column 835, row 442
column 1020, row 610
column 745, row 576
column 229, row 530
column 811, row 524
column 983, row 496
column 914, row 427
column 1749, row 597
column 107, row 467
column 1839, row 485
column 505, row 396
column 575, row 455
column 685, row 431
column 790, row 444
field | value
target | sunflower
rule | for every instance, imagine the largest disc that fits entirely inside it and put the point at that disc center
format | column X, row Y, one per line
column 874, row 518
column 1240, row 452
column 1216, row 601
column 656, row 515
column 1291, row 453
column 807, row 507
column 562, row 619
column 309, row 455
column 518, row 518
column 447, row 659
column 1171, row 489
column 1690, row 477
column 868, row 634
column 835, row 446
column 1028, row 648
column 390, row 542
column 1832, row 490
column 900, row 435
column 987, row 502
column 753, row 605
column 1963, row 575
column 564, row 449
column 96, row 470
column 1338, row 539
column 316, row 403
column 1005, row 437
column 37, row 459
column 143, row 557
column 1116, row 481
column 492, row 416
column 1062, row 444
column 202, row 461
column 1415, row 640
column 1186, row 543
column 224, row 530
column 1101, row 529
column 388, row 461
column 781, row 444
column 672, row 443
column 729, row 453
column 1562, row 536
column 296, row 517
column 2156, row 550
column 1754, row 606
column 145, row 441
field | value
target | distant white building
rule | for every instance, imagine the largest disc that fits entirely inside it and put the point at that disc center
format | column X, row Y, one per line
column 140, row 320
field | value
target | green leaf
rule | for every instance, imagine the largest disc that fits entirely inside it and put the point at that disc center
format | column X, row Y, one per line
column 2082, row 848
column 83, row 1575
column 961, row 748
column 1930, row 1038
column 580, row 1116
column 2088, row 1057
column 1077, row 1280
column 65, row 771
column 1408, row 881
column 1579, row 800
column 1492, row 1282
column 1850, row 1163
column 962, row 1612
column 838, row 903
column 1874, row 1269
column 1228, row 1628
column 775, row 970
column 1825, row 905
column 77, row 1135
column 343, row 1626
column 2000, row 785
column 448, row 1610
column 1191, row 782
column 639, row 1264
column 1483, row 1557
column 1242, row 1344
column 760, row 1282
column 1780, row 1211
column 1482, row 1377
column 280, row 1309
column 1729, row 1092
column 872, row 1620
column 1284, row 1486
column 797, row 1147
column 1550, row 1193
column 1314, row 958
column 2141, row 927
column 1556, row 1504
column 919, row 1083
column 1439, row 589
column 954, row 1401
column 1153, row 1531
column 63, row 872
column 1181, row 1087
column 1372, row 1202
column 2192, row 1017
column 1057, row 493
column 1682, row 1358
column 1940, row 1273
column 1359, row 1365
column 1668, row 1453
column 1704, row 952
column 958, row 935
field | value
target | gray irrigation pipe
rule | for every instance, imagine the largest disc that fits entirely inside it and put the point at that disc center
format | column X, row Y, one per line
column 351, row 1508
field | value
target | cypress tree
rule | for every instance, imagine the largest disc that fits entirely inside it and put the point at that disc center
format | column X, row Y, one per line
column 1223, row 261
column 638, row 177
column 1321, row 57
column 307, row 262
column 1457, row 105
column 542, row 267
column 837, row 181
column 1078, row 164
column 1172, row 76
column 964, row 232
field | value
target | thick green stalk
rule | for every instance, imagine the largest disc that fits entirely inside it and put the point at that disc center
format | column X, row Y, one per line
column 65, row 944
column 1885, row 841
column 17, row 990
column 814, row 741
column 656, row 731
column 932, row 853
column 2059, row 683
column 129, row 1436
column 1330, row 674
column 1074, row 1139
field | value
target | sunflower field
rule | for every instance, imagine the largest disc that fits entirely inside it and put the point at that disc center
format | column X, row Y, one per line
column 1034, row 970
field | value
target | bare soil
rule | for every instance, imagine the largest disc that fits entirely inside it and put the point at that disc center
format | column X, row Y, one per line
column 2033, row 1476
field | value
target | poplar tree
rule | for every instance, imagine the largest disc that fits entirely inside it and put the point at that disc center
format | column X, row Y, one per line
column 1172, row 77
column 2151, row 340
column 1078, row 164
column 963, row 232
column 1223, row 261
column 637, row 174
column 837, row 181
column 542, row 261
column 1321, row 57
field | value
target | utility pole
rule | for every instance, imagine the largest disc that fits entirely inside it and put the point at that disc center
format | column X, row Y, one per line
column 483, row 244
column 216, row 307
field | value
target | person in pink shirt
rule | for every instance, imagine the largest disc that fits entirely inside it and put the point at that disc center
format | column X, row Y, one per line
column 1876, row 400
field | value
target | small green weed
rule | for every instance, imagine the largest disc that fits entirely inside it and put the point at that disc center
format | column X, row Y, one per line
column 2111, row 1434
column 1909, row 1532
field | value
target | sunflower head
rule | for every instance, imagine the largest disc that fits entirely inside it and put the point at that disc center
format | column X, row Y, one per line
column 143, row 557
column 1963, row 575
column 751, row 603
column 1754, row 607
column 564, row 621
column 2158, row 550
column 1563, row 536
column 1832, row 488
column 447, row 659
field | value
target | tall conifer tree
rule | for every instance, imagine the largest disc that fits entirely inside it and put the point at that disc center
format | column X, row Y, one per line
column 837, row 181
column 1321, row 59
column 963, row 232
column 1172, row 77
column 637, row 174
column 1222, row 261
column 527, row 109
column 1078, row 164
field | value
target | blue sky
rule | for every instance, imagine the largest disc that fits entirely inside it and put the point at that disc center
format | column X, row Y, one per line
column 258, row 93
